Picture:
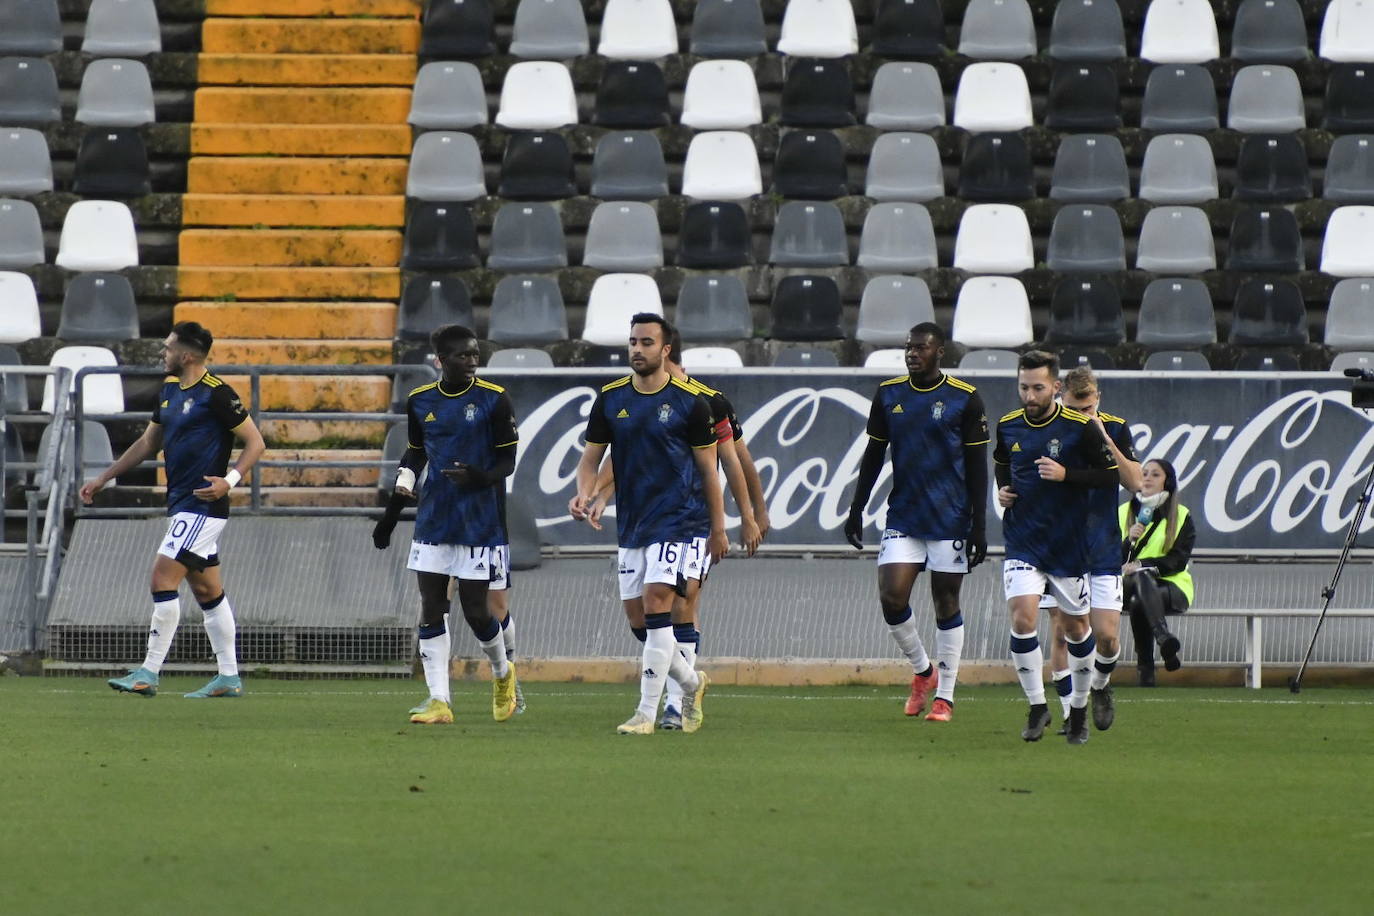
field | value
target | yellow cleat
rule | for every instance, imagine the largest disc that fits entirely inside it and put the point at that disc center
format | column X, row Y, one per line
column 692, row 713
column 503, row 695
column 637, row 724
column 433, row 711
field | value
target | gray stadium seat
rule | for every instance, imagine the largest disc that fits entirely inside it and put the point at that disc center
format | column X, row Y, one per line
column 1266, row 99
column 1176, row 312
column 996, row 360
column 428, row 303
column 523, row 530
column 34, row 27
column 1350, row 314
column 1086, row 238
column 728, row 28
column 549, row 30
column 1261, row 361
column 520, row 358
column 21, row 234
column 906, row 96
column 1087, row 30
column 122, row 28
column 527, row 310
column 1178, row 169
column 448, row 95
column 1349, row 176
column 1353, row 359
column 98, row 307
column 897, row 237
column 1090, row 168
column 629, row 166
column 1269, row 31
column 809, row 234
column 805, row 358
column 96, row 452
column 115, row 92
column 890, row 307
column 445, row 165
column 25, row 168
column 28, row 92
column 1176, row 240
column 1177, row 361
column 905, row 166
column 623, row 235
column 997, row 30
column 1180, row 97
column 711, row 308
column 527, row 236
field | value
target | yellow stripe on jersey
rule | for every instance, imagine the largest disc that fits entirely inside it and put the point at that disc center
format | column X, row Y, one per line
column 960, row 384
column 507, row 444
column 490, row 386
column 1013, row 415
column 210, row 380
column 415, row 391
column 683, row 385
column 1110, row 417
column 616, row 384
column 894, row 381
column 1070, row 414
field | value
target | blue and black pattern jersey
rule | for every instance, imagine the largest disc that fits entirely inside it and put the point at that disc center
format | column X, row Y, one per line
column 1047, row 525
column 657, row 487
column 198, row 424
column 928, row 429
column 1104, row 536
column 462, row 427
column 726, row 426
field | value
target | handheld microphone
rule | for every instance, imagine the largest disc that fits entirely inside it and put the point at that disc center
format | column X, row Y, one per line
column 1145, row 515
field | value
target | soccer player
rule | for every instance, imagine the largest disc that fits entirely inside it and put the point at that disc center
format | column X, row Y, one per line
column 498, row 601
column 665, row 457
column 463, row 427
column 936, row 513
column 194, row 425
column 1046, row 459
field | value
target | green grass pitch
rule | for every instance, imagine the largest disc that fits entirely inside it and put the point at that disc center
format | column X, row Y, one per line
column 319, row 797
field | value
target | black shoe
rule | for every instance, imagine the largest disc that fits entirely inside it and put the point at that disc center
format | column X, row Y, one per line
column 1078, row 725
column 1169, row 648
column 1036, row 722
column 1145, row 677
column 1104, row 707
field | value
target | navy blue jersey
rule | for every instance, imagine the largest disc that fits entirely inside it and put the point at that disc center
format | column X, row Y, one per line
column 928, row 429
column 1047, row 525
column 726, row 426
column 657, row 488
column 1104, row 533
column 197, row 436
column 463, row 427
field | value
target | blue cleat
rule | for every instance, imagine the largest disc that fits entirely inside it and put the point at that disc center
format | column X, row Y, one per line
column 671, row 721
column 140, row 681
column 223, row 685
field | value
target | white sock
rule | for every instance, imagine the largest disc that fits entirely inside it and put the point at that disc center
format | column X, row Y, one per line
column 949, row 648
column 508, row 635
column 655, row 664
column 673, row 692
column 1103, row 666
column 1029, row 662
column 495, row 648
column 219, row 626
column 1063, row 687
column 1081, row 668
column 909, row 641
column 166, row 616
column 434, row 655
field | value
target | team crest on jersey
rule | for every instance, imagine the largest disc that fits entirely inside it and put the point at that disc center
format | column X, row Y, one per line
column 664, row 412
column 1053, row 448
column 937, row 410
column 185, row 406
column 470, row 412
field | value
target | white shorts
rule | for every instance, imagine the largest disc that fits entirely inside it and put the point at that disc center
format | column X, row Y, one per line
column 193, row 540
column 698, row 565
column 460, row 561
column 1104, row 593
column 938, row 556
column 1069, row 592
column 660, row 563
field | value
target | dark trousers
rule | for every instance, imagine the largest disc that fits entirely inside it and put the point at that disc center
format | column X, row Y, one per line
column 1149, row 600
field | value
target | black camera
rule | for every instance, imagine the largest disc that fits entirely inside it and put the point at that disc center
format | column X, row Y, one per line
column 1362, row 391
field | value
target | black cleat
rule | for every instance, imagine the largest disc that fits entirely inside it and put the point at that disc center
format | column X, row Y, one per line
column 1078, row 726
column 1145, row 677
column 1036, row 722
column 1104, row 707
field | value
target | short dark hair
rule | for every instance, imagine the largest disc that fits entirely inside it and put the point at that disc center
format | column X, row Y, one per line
column 1039, row 359
column 675, row 347
column 449, row 334
column 654, row 318
column 194, row 336
column 931, row 328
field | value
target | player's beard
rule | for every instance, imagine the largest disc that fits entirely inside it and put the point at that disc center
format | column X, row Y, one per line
column 1039, row 412
column 648, row 367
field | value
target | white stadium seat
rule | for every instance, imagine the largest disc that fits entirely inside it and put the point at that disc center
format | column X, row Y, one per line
column 1347, row 31
column 1180, row 32
column 721, row 165
column 696, row 359
column 819, row 28
column 1346, row 251
column 19, row 318
column 994, row 239
column 721, row 95
column 613, row 300
column 537, row 95
column 98, row 235
column 101, row 394
column 637, row 30
column 992, row 312
column 992, row 96
column 894, row 359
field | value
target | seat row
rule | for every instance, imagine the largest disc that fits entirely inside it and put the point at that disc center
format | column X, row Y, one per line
column 111, row 161
column 95, row 307
column 115, row 92
column 113, row 28
column 96, row 235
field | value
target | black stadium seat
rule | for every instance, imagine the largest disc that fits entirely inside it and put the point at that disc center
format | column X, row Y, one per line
column 537, row 166
column 817, row 93
column 714, row 235
column 457, row 30
column 996, row 167
column 440, row 235
column 810, row 166
column 632, row 93
column 112, row 162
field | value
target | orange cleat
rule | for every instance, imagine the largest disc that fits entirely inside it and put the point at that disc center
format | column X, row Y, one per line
column 940, row 711
column 920, row 689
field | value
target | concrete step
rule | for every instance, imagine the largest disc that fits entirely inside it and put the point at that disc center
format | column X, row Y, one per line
column 306, row 70
column 310, row 36
column 300, row 139
column 291, row 247
column 360, row 393
column 292, row 210
column 293, row 320
column 301, row 352
column 272, row 105
column 268, row 175
column 350, row 433
column 289, row 283
column 322, row 476
column 374, row 8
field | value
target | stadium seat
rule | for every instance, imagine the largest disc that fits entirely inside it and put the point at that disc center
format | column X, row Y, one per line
column 992, row 312
column 1096, row 359
column 721, row 165
column 527, row 310
column 98, row 235
column 100, row 394
column 122, row 28
column 893, row 359
column 19, row 318
column 1180, row 98
column 1272, row 169
column 429, row 302
column 96, row 453
column 445, row 165
column 1087, row 30
column 637, row 30
column 1349, row 105
column 993, row 360
column 28, row 92
column 1176, row 313
column 1269, row 32
column 818, row 28
column 21, row 234
column 440, row 235
column 904, row 167
column 906, row 96
column 809, row 234
column 713, row 308
column 1179, row 32
column 727, row 28
column 112, row 162
column 520, row 358
column 1350, row 315
column 1178, row 169
column 420, row 372
column 1349, row 176
column 705, row 359
column 1353, row 359
column 25, row 168
column 897, row 237
column 537, row 166
column 631, row 94
column 993, row 239
column 1083, row 96
column 904, row 29
column 549, row 30
column 115, row 93
column 721, row 95
column 817, row 93
column 614, row 299
column 610, row 357
column 448, row 95
column 997, row 30
column 1266, row 98
column 1269, row 313
column 1176, row 240
column 1086, row 311
column 629, row 166
column 16, row 397
column 992, row 97
column 31, row 28
column 1347, row 32
column 537, row 95
column 810, row 166
column 527, row 236
column 805, row 358
column 1346, row 251
column 714, row 235
column 623, row 236
column 457, row 29
column 1265, row 239
column 806, row 308
column 1176, row 361
column 1258, row 361
column 1090, row 168
column 1086, row 238
column 890, row 307
column 98, row 306
column 996, row 167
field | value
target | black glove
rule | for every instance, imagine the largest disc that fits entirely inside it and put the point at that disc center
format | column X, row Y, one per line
column 854, row 528
column 977, row 548
column 381, row 534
